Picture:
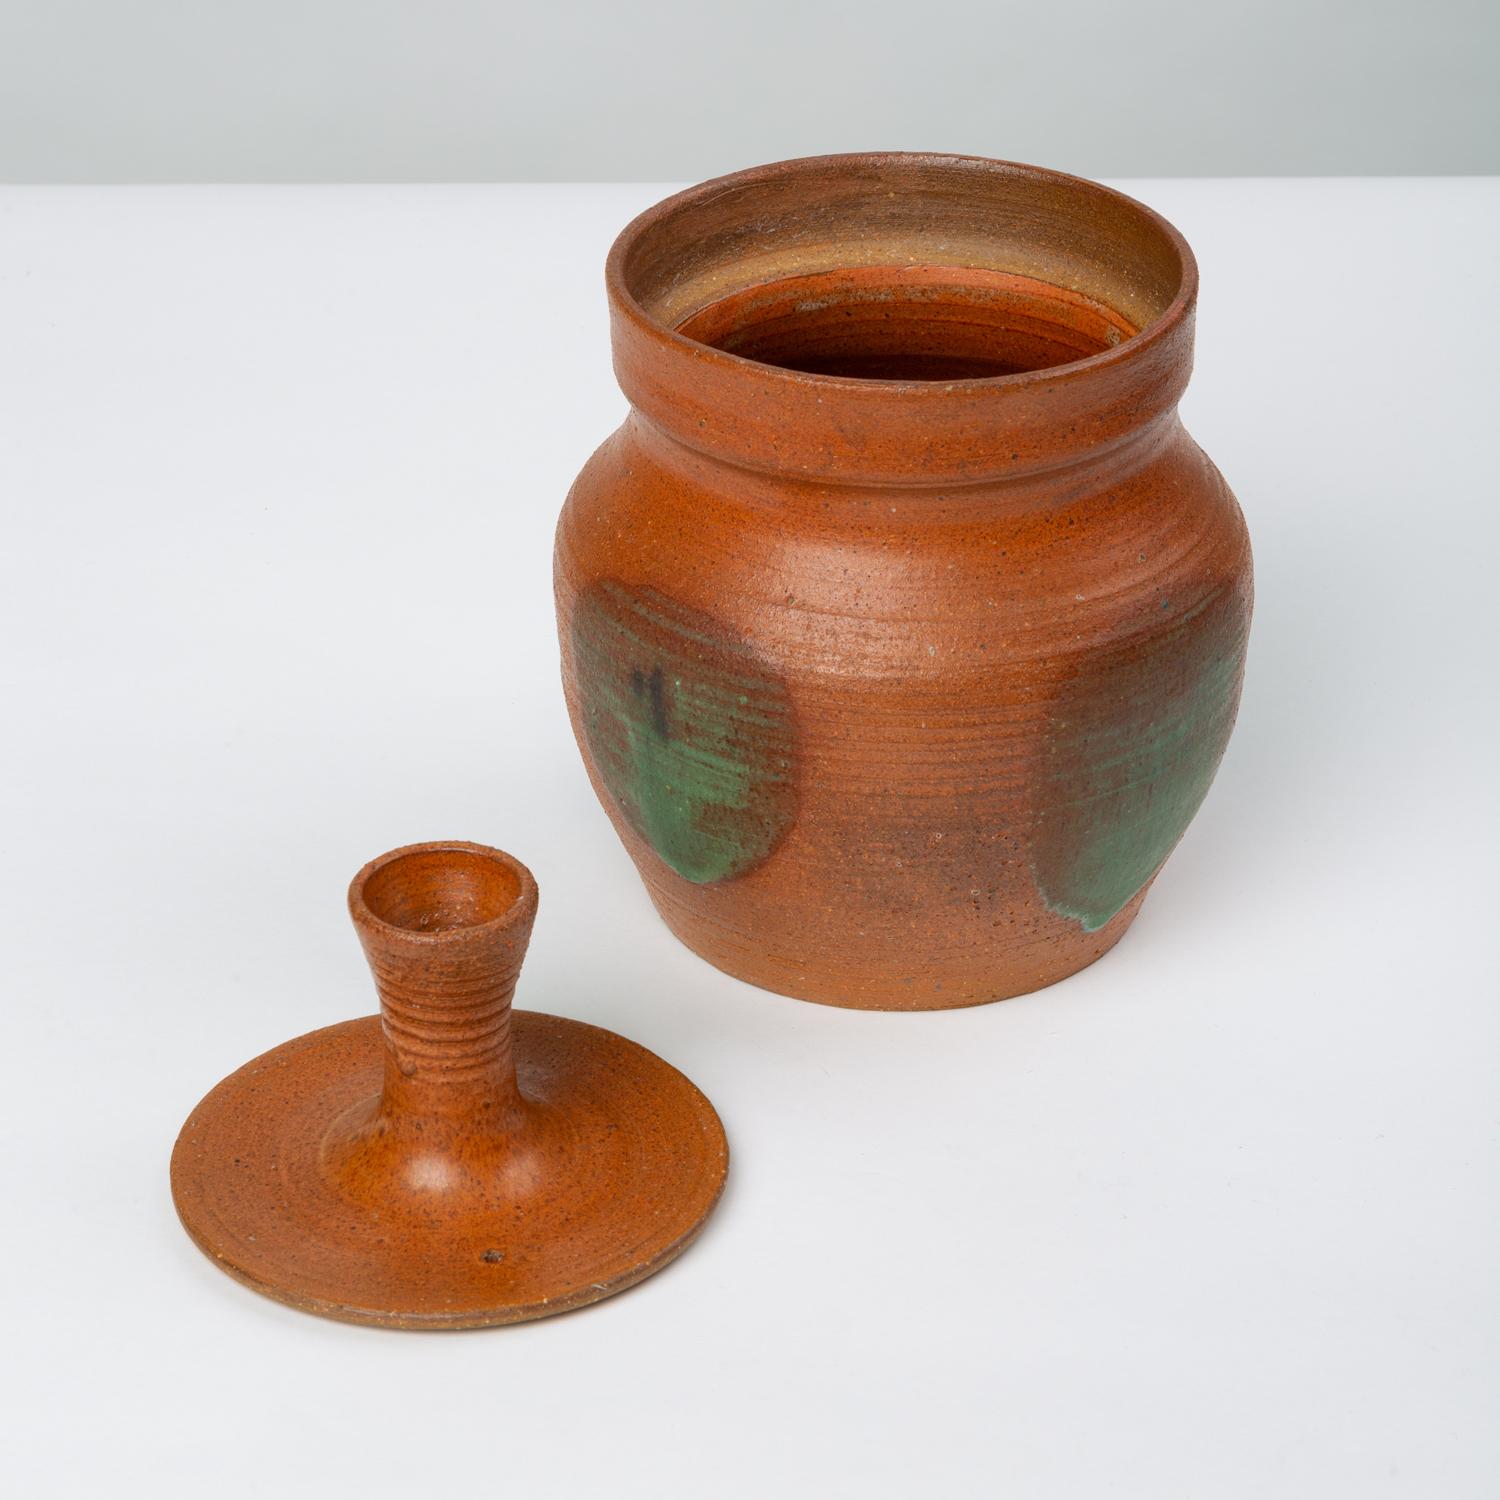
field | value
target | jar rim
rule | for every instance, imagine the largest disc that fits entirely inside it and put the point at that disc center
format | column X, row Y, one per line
column 975, row 425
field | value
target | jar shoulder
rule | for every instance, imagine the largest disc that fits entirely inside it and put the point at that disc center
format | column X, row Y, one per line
column 875, row 579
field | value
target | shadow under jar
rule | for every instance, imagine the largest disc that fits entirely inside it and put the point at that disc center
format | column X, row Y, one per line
column 902, row 623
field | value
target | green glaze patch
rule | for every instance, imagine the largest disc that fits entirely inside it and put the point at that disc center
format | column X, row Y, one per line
column 1133, row 743
column 692, row 736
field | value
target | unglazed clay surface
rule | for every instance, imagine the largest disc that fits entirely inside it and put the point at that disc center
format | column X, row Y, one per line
column 902, row 624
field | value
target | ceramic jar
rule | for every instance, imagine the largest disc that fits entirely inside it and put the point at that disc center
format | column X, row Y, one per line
column 902, row 623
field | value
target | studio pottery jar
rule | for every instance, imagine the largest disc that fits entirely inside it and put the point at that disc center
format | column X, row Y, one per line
column 902, row 623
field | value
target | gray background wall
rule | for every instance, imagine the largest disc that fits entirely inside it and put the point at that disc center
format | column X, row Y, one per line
column 455, row 90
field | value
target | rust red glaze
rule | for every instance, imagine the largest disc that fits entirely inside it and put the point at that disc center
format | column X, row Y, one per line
column 902, row 623
column 452, row 1163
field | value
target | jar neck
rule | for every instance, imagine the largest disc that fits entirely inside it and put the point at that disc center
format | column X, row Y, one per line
column 926, row 500
column 902, row 320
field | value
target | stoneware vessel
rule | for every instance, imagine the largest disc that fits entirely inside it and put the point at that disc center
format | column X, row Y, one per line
column 902, row 622
column 452, row 1162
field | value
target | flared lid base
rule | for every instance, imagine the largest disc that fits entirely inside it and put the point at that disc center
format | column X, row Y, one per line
column 612, row 1174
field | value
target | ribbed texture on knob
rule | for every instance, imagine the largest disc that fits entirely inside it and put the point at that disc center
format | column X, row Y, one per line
column 446, row 1028
column 445, row 929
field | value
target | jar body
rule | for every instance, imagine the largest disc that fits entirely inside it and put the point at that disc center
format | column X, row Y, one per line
column 902, row 624
column 901, row 749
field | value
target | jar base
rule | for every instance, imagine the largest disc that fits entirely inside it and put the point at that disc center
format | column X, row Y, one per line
column 848, row 984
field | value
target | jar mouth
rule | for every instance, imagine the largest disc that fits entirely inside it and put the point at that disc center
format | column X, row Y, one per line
column 891, row 277
column 884, row 219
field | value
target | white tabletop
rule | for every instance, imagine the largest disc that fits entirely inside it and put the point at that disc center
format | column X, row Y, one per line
column 1217, row 1217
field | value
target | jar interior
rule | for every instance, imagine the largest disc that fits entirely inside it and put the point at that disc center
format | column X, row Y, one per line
column 905, row 322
